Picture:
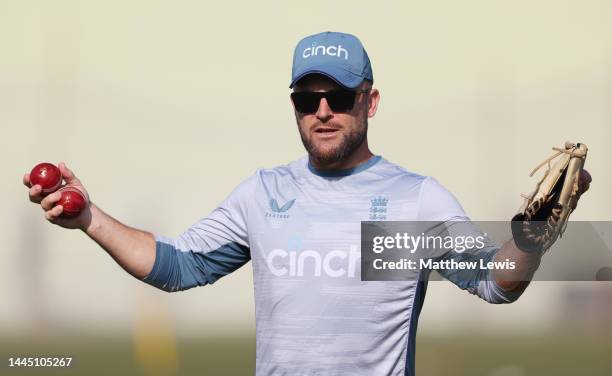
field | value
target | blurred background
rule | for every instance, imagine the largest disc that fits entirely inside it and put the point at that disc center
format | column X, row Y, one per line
column 162, row 108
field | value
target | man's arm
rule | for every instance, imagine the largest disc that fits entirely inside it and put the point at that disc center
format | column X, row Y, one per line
column 132, row 249
column 440, row 206
column 526, row 264
column 477, row 280
column 210, row 249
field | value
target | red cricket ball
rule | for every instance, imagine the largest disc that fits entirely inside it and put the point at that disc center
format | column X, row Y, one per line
column 47, row 175
column 73, row 202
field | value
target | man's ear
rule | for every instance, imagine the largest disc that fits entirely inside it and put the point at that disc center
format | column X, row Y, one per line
column 373, row 100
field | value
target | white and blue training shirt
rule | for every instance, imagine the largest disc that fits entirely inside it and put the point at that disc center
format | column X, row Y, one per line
column 301, row 228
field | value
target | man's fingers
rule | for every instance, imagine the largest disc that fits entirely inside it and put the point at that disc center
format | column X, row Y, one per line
column 584, row 181
column 68, row 175
column 54, row 213
column 26, row 180
column 35, row 194
column 49, row 202
column 586, row 176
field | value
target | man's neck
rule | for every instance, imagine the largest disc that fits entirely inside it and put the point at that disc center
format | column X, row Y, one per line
column 359, row 157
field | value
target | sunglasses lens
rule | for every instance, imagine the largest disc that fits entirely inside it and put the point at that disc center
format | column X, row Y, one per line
column 341, row 100
column 338, row 100
column 306, row 102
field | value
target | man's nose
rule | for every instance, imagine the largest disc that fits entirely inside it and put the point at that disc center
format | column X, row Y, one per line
column 324, row 112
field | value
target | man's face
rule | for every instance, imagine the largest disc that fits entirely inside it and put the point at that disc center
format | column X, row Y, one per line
column 330, row 137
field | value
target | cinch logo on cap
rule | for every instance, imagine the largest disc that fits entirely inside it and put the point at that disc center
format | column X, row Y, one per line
column 338, row 56
column 325, row 50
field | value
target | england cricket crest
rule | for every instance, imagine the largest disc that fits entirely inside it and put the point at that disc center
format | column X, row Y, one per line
column 378, row 209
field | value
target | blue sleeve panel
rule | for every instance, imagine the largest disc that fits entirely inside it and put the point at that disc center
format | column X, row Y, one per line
column 468, row 279
column 479, row 282
column 175, row 270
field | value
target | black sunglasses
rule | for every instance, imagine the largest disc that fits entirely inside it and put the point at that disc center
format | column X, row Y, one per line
column 307, row 102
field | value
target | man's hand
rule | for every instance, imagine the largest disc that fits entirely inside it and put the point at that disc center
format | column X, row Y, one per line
column 544, row 215
column 517, row 280
column 48, row 202
column 134, row 250
column 584, row 182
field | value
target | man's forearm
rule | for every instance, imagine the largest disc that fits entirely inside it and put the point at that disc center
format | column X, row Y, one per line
column 132, row 249
column 526, row 264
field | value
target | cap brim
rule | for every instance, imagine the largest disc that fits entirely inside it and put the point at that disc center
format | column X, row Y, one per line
column 341, row 76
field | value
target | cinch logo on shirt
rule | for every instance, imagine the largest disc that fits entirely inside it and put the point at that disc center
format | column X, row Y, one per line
column 325, row 50
column 312, row 263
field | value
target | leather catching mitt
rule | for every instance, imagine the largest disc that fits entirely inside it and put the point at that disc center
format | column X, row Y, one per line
column 543, row 217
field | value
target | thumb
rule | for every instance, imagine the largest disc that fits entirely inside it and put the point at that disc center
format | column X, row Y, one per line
column 68, row 175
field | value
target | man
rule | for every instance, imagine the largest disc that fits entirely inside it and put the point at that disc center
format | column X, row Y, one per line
column 300, row 225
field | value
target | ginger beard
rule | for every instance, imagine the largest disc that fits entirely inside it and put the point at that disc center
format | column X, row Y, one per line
column 325, row 152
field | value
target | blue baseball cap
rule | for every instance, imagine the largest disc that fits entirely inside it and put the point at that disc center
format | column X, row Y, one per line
column 338, row 56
